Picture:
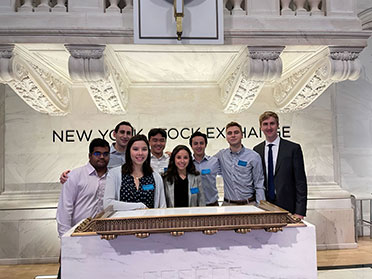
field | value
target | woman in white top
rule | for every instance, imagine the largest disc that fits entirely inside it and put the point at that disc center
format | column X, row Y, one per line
column 135, row 185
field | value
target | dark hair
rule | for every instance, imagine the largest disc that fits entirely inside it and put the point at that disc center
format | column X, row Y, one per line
column 198, row 134
column 98, row 142
column 172, row 172
column 126, row 123
column 153, row 132
column 127, row 168
column 234, row 124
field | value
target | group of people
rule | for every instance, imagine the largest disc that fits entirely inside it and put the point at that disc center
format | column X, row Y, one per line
column 135, row 173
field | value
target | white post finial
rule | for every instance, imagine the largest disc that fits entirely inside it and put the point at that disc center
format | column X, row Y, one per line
column 26, row 7
column 43, row 6
column 114, row 7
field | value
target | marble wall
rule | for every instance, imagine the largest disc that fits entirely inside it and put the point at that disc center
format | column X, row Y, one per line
column 334, row 132
column 2, row 135
column 34, row 158
column 28, row 236
column 36, row 167
column 353, row 110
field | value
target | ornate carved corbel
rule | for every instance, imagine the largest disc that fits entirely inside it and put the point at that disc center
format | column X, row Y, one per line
column 260, row 65
column 343, row 63
column 41, row 89
column 305, row 85
column 6, row 59
column 89, row 63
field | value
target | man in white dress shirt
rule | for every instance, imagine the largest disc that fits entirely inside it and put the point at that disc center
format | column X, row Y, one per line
column 82, row 194
column 159, row 160
column 283, row 167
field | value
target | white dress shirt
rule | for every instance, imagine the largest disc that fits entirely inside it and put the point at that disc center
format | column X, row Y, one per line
column 275, row 149
column 160, row 165
column 81, row 197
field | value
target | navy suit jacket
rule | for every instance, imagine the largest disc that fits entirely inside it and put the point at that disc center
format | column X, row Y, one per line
column 290, row 178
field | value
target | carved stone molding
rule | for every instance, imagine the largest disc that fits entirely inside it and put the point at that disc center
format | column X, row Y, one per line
column 86, row 62
column 40, row 88
column 313, row 88
column 366, row 19
column 344, row 63
column 258, row 65
column 304, row 86
column 285, row 87
column 101, row 76
column 265, row 63
column 6, row 55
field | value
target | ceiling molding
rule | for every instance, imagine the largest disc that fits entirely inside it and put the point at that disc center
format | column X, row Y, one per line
column 256, row 67
column 42, row 89
column 101, row 76
column 298, row 90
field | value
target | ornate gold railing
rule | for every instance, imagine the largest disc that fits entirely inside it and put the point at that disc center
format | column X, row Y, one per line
column 266, row 216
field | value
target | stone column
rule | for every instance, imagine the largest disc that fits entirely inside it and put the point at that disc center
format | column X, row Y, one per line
column 2, row 136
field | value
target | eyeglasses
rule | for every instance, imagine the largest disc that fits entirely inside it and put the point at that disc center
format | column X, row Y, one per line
column 98, row 154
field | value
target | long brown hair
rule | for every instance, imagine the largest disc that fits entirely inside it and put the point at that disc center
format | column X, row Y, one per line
column 127, row 168
column 172, row 173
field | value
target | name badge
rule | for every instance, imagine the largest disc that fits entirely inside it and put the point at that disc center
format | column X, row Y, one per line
column 148, row 187
column 205, row 171
column 242, row 163
column 194, row 190
column 165, row 169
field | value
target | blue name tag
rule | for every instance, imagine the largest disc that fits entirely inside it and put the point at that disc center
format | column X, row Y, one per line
column 194, row 190
column 148, row 187
column 165, row 169
column 206, row 171
column 242, row 163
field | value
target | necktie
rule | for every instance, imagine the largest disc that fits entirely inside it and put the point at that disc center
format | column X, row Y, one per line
column 270, row 174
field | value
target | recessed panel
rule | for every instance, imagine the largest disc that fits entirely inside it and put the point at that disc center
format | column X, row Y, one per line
column 155, row 23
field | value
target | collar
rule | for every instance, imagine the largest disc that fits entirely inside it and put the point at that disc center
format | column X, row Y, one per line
column 206, row 157
column 91, row 170
column 240, row 151
column 163, row 157
column 275, row 142
column 113, row 150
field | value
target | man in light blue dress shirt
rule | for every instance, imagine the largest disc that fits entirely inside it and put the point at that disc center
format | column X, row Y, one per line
column 207, row 166
column 123, row 133
column 241, row 170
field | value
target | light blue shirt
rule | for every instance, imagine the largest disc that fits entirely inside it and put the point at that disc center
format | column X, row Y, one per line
column 242, row 174
column 116, row 158
column 209, row 167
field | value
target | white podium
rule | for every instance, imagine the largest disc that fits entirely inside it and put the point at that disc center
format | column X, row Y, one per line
column 290, row 253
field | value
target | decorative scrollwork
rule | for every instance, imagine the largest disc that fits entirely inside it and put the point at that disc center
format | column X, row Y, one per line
column 177, row 233
column 210, row 232
column 142, row 235
column 240, row 90
column 242, row 231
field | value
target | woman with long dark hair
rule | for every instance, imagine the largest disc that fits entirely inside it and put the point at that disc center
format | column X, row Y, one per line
column 182, row 181
column 135, row 185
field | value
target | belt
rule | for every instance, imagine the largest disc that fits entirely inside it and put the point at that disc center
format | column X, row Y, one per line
column 241, row 202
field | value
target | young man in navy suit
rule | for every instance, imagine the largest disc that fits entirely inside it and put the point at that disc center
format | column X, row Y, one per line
column 283, row 166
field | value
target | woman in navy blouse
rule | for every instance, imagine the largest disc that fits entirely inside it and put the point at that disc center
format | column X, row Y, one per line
column 135, row 185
